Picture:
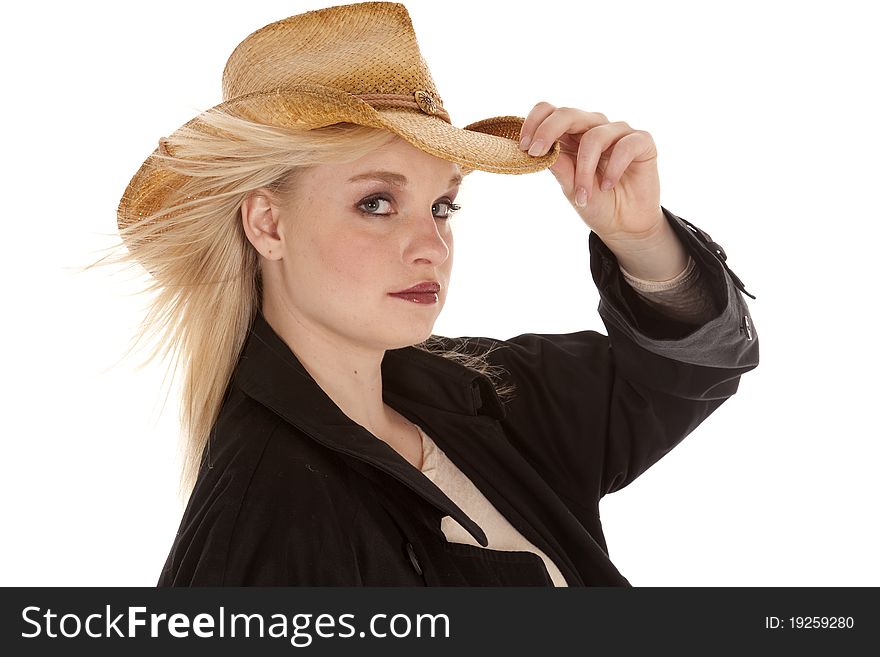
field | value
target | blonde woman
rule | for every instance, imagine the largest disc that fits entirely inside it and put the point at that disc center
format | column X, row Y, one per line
column 298, row 239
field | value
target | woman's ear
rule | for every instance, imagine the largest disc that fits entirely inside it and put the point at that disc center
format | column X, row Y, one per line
column 259, row 217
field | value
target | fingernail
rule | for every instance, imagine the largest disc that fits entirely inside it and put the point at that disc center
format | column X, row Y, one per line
column 524, row 142
column 606, row 185
column 580, row 198
column 537, row 148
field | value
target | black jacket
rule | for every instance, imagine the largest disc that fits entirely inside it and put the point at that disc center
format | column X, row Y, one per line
column 293, row 492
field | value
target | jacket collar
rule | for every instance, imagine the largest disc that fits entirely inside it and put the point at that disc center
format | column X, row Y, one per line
column 269, row 372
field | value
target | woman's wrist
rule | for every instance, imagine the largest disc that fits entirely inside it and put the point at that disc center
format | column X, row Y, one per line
column 658, row 257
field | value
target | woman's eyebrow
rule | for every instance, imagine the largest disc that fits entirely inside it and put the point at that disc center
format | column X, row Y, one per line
column 394, row 178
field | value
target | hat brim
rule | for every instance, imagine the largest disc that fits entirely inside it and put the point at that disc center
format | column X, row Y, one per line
column 488, row 145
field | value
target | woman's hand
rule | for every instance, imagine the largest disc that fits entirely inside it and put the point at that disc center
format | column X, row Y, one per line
column 608, row 172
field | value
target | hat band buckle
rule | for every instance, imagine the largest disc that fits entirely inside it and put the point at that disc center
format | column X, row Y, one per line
column 424, row 101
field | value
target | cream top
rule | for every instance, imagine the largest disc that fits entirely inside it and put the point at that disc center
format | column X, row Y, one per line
column 458, row 488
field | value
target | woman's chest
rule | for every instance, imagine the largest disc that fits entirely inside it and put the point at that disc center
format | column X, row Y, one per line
column 397, row 540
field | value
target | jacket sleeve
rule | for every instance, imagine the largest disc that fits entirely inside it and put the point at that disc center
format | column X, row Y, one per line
column 592, row 412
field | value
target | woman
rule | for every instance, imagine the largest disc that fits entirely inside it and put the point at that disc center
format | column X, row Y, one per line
column 299, row 240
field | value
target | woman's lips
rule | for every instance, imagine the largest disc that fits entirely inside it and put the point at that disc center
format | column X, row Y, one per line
column 424, row 292
column 418, row 297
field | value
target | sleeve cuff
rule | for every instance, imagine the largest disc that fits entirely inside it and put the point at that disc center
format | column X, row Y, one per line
column 725, row 340
column 684, row 297
column 681, row 280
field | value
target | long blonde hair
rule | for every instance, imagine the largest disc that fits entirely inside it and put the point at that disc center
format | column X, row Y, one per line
column 206, row 274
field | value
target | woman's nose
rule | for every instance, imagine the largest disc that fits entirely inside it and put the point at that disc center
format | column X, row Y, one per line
column 428, row 239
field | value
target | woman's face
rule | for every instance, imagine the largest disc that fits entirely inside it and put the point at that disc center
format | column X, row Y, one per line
column 355, row 233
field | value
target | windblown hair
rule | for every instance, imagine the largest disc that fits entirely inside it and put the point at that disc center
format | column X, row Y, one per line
column 206, row 274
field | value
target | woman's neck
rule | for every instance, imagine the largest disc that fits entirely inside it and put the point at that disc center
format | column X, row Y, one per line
column 350, row 375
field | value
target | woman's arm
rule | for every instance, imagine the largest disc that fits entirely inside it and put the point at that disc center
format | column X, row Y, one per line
column 592, row 412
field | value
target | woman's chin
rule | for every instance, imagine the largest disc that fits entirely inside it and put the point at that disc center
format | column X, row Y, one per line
column 413, row 336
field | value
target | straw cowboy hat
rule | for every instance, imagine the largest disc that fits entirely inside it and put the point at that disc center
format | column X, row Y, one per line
column 357, row 64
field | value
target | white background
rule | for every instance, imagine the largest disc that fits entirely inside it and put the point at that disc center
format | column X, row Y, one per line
column 765, row 120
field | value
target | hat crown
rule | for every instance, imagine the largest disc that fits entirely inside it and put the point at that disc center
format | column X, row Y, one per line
column 366, row 48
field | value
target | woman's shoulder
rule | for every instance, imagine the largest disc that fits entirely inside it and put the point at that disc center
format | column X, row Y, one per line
column 263, row 457
column 530, row 355
column 261, row 484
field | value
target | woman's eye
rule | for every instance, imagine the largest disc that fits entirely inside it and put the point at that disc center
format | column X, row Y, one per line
column 444, row 209
column 376, row 205
column 381, row 207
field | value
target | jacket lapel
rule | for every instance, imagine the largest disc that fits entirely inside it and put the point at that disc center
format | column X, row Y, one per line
column 269, row 372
